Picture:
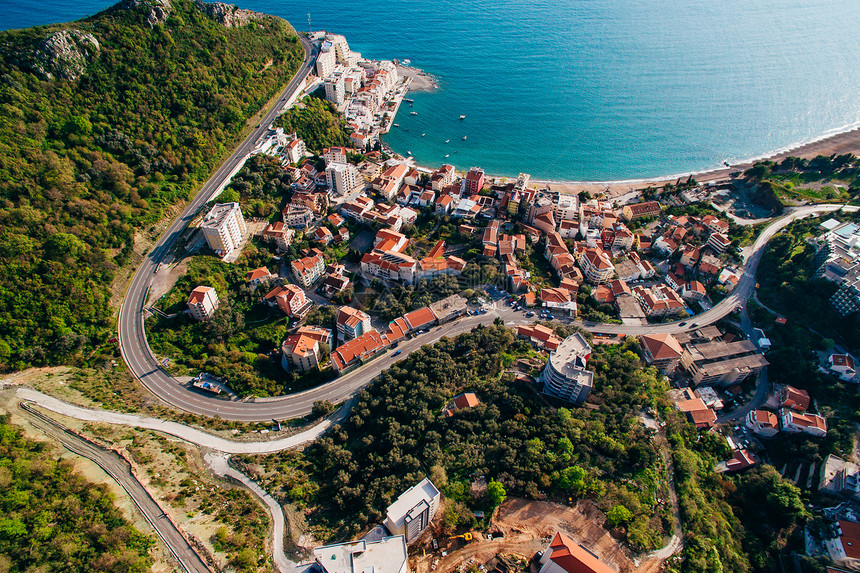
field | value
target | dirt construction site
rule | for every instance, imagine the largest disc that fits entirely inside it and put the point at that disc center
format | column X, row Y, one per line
column 519, row 529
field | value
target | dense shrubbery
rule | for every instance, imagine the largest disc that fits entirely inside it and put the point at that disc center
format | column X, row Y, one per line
column 396, row 434
column 84, row 163
column 317, row 122
column 53, row 519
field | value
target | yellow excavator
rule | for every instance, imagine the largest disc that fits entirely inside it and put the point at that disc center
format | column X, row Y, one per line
column 465, row 537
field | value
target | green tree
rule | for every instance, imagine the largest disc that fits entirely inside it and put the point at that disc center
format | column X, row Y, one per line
column 497, row 492
column 618, row 515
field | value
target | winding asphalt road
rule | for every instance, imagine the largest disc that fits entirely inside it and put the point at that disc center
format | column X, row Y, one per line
column 143, row 364
column 117, row 468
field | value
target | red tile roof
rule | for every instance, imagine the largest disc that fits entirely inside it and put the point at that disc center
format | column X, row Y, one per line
column 573, row 558
column 420, row 318
column 662, row 346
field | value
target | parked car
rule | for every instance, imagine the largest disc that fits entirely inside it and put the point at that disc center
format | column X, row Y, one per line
column 398, row 353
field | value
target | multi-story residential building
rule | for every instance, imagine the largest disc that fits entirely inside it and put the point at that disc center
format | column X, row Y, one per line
column 386, row 555
column 719, row 242
column 659, row 300
column 352, row 323
column 795, row 423
column 300, row 352
column 223, row 227
column 838, row 259
column 442, row 178
column 661, row 351
column 335, row 155
column 596, row 266
column 539, row 335
column 295, row 150
column 202, row 303
column 563, row 555
column 473, row 182
column 564, row 375
column 413, row 510
column 720, row 363
column 794, row 398
column 640, row 210
column 326, row 61
column 389, row 265
column 558, row 299
column 693, row 290
column 763, row 423
column 280, row 234
column 843, row 365
column 343, row 178
column 566, row 207
column 297, row 216
column 335, row 87
column 308, row 270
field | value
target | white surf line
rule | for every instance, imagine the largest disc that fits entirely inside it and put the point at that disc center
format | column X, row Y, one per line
column 181, row 431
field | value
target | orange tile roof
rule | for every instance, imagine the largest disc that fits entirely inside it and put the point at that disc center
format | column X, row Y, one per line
column 356, row 349
column 796, row 399
column 419, row 318
column 257, row 274
column 662, row 346
column 850, row 538
column 572, row 558
column 467, row 400
column 198, row 294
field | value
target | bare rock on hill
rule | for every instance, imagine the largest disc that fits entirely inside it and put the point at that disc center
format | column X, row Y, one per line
column 65, row 54
column 159, row 10
column 227, row 15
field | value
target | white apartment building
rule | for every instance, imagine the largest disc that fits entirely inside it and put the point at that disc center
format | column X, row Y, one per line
column 335, row 87
column 413, row 511
column 295, row 150
column 564, row 375
column 326, row 61
column 596, row 266
column 386, row 555
column 352, row 323
column 342, row 178
column 223, row 228
column 335, row 155
column 202, row 303
column 567, row 208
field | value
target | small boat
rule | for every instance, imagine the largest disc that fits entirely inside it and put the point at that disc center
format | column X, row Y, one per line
column 413, row 113
column 446, row 155
column 423, row 134
column 408, row 153
column 408, row 100
column 405, row 129
column 462, row 117
column 456, row 151
column 406, row 62
column 447, row 140
column 396, row 125
column 464, row 138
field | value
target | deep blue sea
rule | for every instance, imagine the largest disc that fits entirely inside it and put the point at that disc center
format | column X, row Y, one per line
column 593, row 89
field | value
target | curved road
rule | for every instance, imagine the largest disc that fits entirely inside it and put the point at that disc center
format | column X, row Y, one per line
column 117, row 468
column 143, row 364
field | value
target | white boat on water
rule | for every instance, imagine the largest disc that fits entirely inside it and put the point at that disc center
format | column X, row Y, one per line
column 447, row 140
column 446, row 155
column 423, row 134
column 464, row 138
column 413, row 113
column 462, row 117
column 408, row 153
column 396, row 125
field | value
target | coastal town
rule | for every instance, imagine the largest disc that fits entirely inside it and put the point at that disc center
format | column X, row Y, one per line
column 251, row 334
column 536, row 257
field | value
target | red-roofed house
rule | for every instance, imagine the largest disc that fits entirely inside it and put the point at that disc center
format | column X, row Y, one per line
column 557, row 298
column 763, row 423
column 420, row 318
column 460, row 402
column 324, row 236
column 719, row 242
column 202, row 303
column 539, row 335
column 795, row 422
column 258, row 276
column 693, row 290
column 794, row 398
column 845, row 549
column 843, row 364
column 740, row 460
column 661, row 350
column 301, row 352
column 565, row 556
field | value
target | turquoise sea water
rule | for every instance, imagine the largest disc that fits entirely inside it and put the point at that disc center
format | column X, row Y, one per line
column 594, row 89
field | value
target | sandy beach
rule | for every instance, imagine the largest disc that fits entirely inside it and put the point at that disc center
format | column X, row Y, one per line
column 838, row 144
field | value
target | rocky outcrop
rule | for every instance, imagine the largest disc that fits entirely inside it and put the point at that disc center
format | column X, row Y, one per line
column 227, row 15
column 159, row 10
column 65, row 54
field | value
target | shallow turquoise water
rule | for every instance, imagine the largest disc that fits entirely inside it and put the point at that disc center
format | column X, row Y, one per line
column 595, row 89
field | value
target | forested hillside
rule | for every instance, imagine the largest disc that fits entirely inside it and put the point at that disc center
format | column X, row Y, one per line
column 53, row 519
column 104, row 123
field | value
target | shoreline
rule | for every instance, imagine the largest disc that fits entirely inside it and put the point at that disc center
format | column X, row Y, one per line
column 421, row 80
column 847, row 141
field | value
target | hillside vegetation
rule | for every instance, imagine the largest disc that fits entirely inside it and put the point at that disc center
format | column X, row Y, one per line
column 104, row 123
column 53, row 519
